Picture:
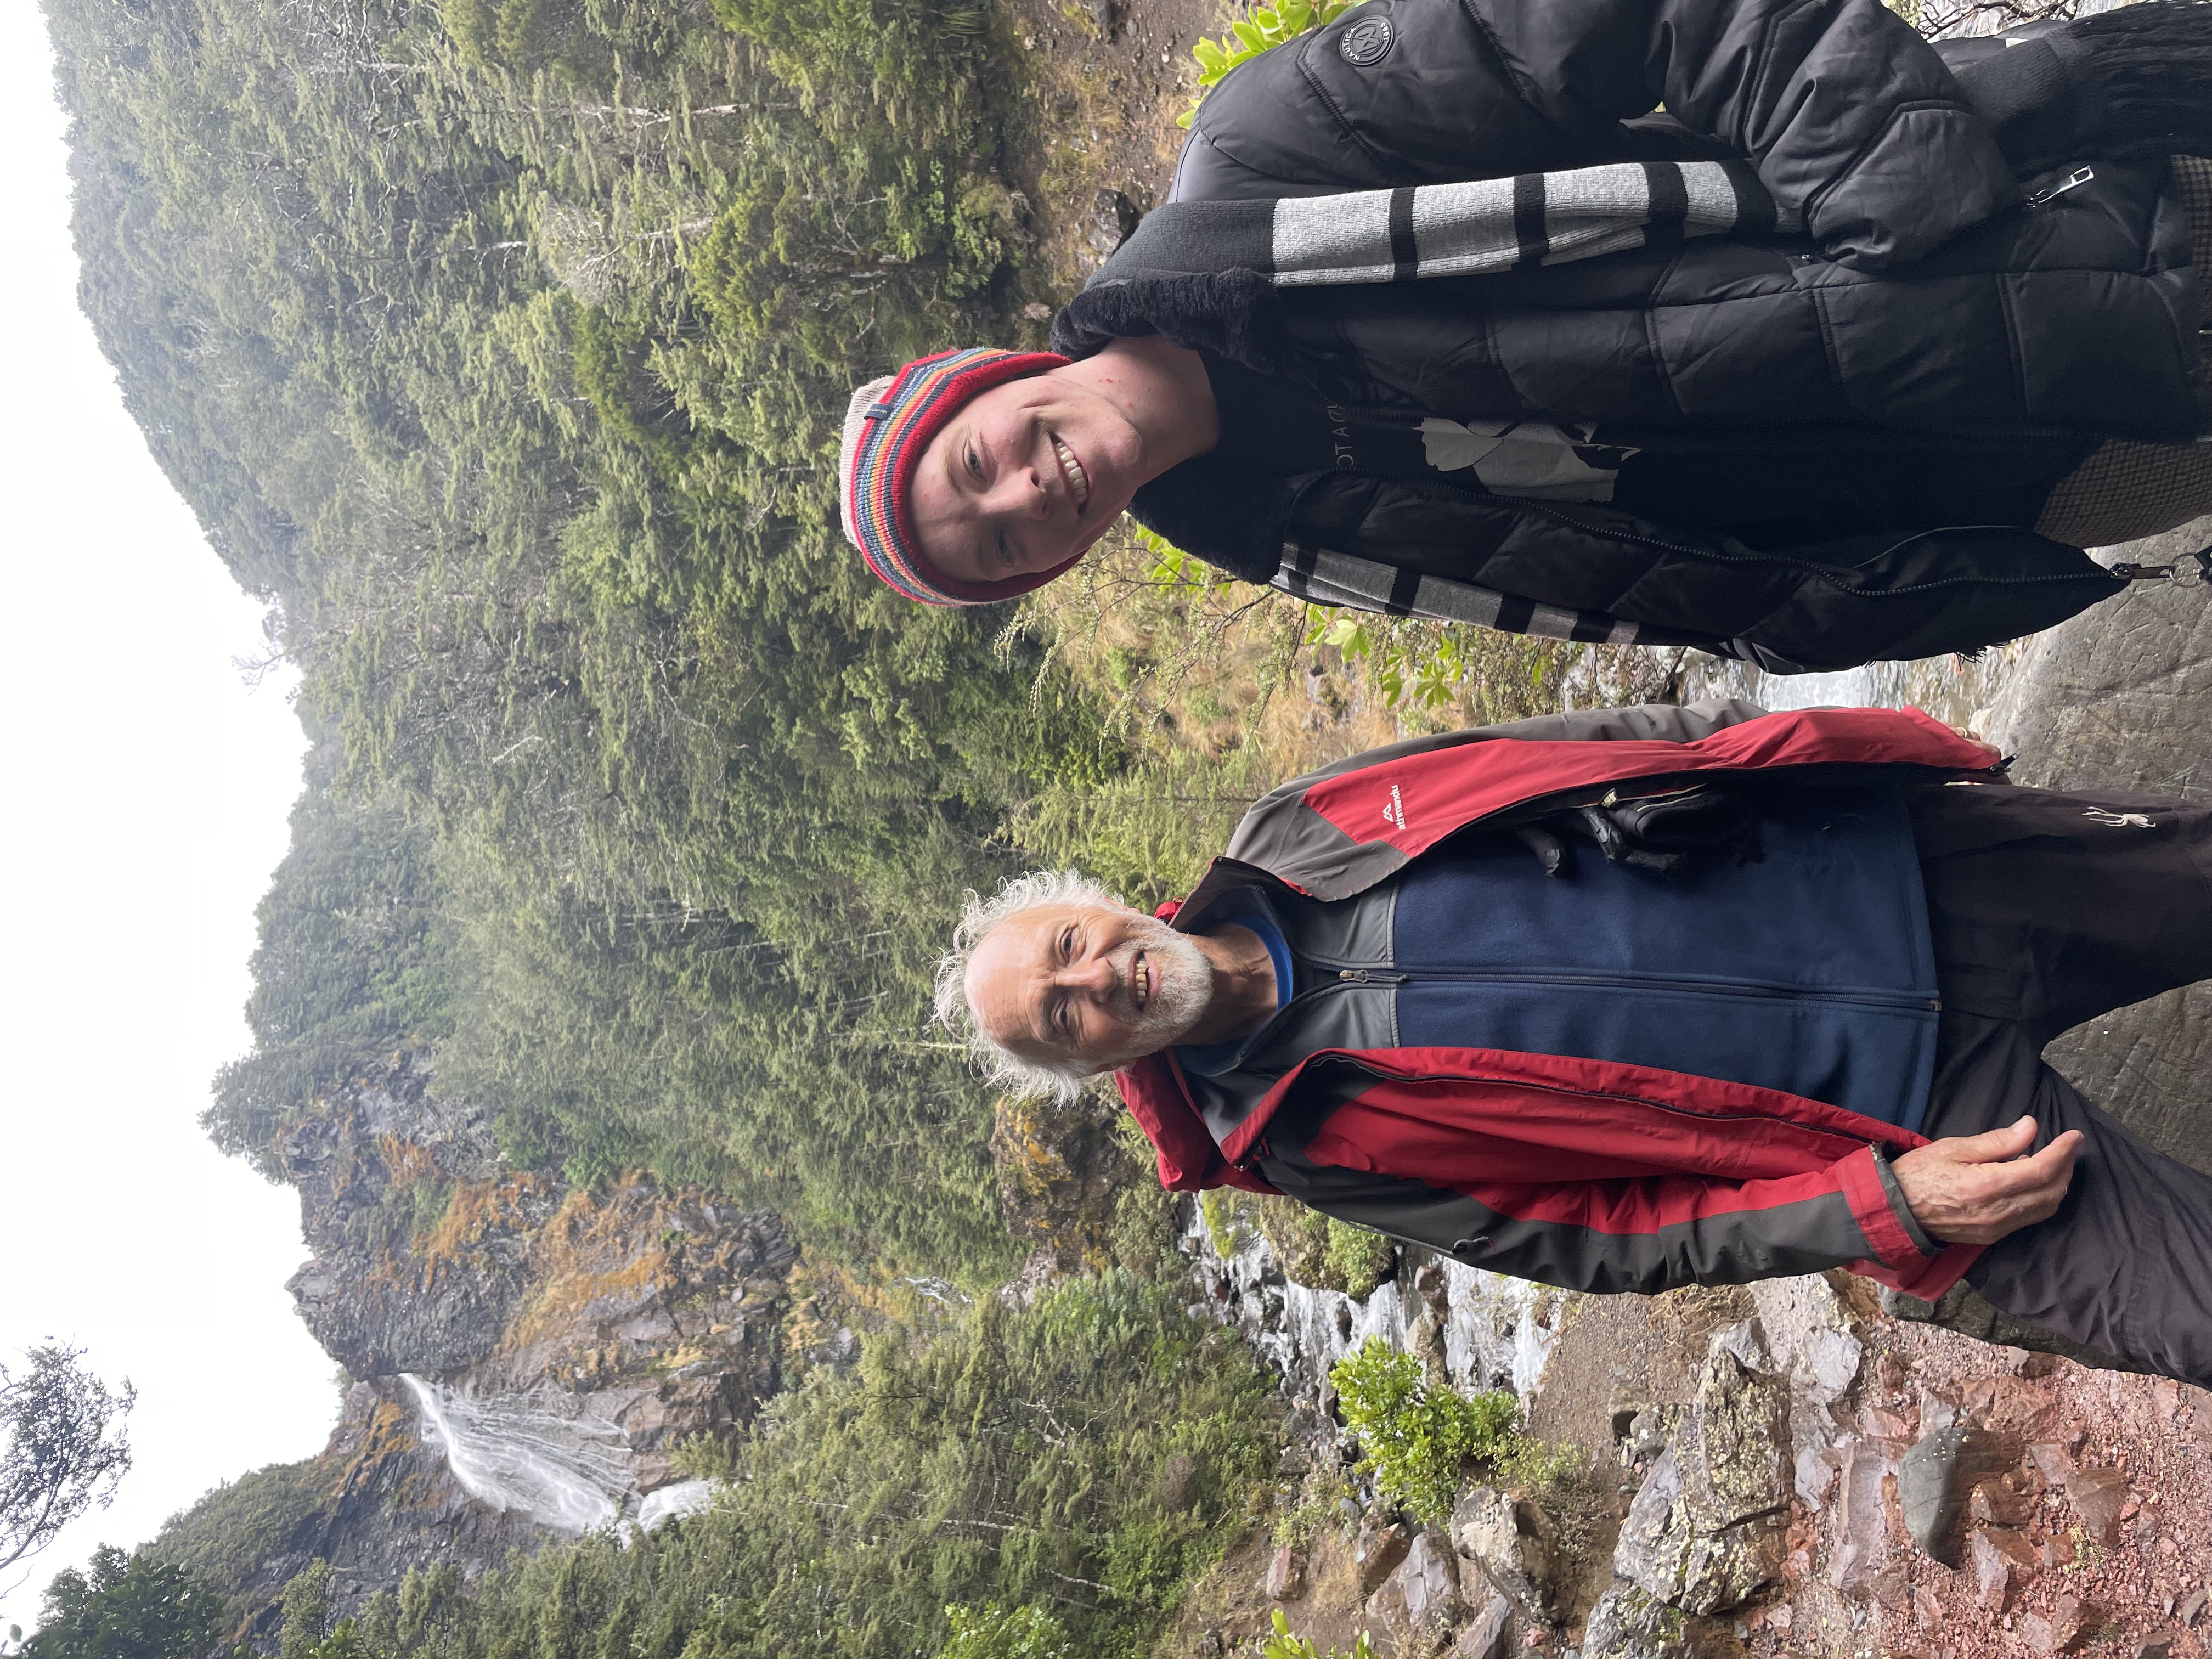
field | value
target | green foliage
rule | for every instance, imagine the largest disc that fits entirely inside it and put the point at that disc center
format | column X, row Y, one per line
column 1261, row 29
column 1033, row 1481
column 231, row 1531
column 502, row 346
column 127, row 1606
column 991, row 1631
column 1357, row 1259
column 352, row 963
column 1284, row 1645
column 1414, row 1436
column 307, row 1613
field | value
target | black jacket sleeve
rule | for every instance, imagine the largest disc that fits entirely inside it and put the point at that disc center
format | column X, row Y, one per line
column 1851, row 119
column 1834, row 605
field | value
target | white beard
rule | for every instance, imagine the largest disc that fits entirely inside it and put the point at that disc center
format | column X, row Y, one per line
column 1182, row 989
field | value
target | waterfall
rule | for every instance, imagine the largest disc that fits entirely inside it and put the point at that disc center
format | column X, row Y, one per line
column 562, row 1469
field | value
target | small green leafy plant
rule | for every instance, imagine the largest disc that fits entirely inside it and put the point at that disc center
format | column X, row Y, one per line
column 1413, row 1437
column 1284, row 1645
column 987, row 1631
column 1261, row 29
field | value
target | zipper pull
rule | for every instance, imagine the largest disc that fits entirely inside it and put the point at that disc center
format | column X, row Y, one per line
column 2073, row 180
column 1369, row 976
column 1357, row 976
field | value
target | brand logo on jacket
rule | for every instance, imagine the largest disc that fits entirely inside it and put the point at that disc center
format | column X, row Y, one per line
column 1394, row 812
column 1365, row 42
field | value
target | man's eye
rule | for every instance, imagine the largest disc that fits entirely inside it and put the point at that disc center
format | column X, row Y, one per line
column 974, row 465
column 1068, row 944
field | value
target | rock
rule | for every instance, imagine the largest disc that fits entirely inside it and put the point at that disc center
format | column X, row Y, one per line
column 1864, row 1563
column 1816, row 1469
column 1934, row 1479
column 1629, row 1623
column 2051, row 1461
column 2003, row 1562
column 1703, row 1531
column 2069, row 1627
column 1506, row 1541
column 2098, row 1496
column 1377, row 1550
column 2057, row 1551
column 1114, row 219
column 1485, row 1638
column 1420, row 1599
column 1286, row 1576
column 2163, row 1649
column 1995, row 1502
column 2192, row 1606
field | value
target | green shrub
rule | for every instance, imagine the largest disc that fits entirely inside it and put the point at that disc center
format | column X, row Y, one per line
column 1284, row 1645
column 988, row 1630
column 1413, row 1437
column 1358, row 1258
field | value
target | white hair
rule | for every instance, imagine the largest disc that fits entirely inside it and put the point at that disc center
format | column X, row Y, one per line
column 956, row 1010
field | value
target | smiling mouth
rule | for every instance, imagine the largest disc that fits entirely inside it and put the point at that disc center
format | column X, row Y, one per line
column 1141, row 982
column 1078, row 480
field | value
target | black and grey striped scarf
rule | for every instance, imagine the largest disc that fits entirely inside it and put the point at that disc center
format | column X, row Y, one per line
column 1482, row 227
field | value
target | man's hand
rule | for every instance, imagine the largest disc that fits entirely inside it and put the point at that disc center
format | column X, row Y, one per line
column 1974, row 1189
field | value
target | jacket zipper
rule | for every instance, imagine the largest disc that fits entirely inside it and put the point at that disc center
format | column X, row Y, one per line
column 1627, row 982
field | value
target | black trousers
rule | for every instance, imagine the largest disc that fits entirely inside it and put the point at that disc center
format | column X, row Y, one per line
column 2049, row 910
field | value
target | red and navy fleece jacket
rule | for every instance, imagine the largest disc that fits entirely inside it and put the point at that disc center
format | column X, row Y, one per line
column 1589, row 1174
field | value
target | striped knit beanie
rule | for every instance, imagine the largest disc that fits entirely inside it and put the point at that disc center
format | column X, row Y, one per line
column 887, row 426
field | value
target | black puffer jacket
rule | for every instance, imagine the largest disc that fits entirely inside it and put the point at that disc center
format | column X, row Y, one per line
column 1928, row 305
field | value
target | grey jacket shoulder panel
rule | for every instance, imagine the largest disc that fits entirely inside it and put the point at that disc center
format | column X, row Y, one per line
column 1280, row 836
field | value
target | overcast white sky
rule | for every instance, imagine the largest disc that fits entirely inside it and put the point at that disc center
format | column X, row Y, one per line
column 141, row 810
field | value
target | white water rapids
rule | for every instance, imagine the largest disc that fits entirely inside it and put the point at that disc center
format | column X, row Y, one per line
column 562, row 1468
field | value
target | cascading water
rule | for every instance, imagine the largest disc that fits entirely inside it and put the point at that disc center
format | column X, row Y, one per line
column 562, row 1469
column 1496, row 1331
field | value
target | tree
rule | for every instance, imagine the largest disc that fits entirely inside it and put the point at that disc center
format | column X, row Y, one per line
column 127, row 1608
column 62, row 1448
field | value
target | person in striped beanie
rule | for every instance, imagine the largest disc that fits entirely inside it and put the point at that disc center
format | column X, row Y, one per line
column 1562, row 320
column 1007, row 465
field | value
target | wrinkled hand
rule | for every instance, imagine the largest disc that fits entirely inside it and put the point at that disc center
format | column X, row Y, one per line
column 1974, row 1189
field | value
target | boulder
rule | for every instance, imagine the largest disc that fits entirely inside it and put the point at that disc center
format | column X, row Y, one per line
column 1377, row 1551
column 1507, row 1542
column 1286, row 1576
column 1485, row 1638
column 1628, row 1623
column 1704, row 1529
column 1420, row 1599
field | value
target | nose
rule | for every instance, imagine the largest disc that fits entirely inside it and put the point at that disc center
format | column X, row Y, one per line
column 1094, row 976
column 1018, row 493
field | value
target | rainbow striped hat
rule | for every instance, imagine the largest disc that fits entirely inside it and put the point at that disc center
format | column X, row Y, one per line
column 887, row 426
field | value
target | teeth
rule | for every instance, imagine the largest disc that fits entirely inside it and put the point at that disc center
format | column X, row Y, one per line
column 1071, row 468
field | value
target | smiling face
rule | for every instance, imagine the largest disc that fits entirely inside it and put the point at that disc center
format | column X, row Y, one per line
column 1025, row 478
column 1095, row 985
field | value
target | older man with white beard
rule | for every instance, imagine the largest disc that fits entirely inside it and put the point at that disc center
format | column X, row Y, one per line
column 1621, row 1000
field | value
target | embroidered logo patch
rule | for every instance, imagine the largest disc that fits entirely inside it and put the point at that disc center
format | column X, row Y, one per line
column 1366, row 42
column 1394, row 813
column 2112, row 820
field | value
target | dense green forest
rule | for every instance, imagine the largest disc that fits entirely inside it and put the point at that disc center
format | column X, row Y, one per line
column 500, row 347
